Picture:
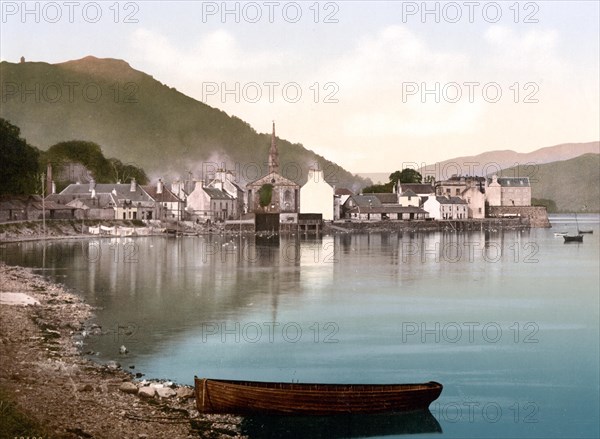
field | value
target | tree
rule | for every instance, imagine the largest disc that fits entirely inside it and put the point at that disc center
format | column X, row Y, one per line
column 379, row 188
column 265, row 193
column 19, row 161
column 407, row 175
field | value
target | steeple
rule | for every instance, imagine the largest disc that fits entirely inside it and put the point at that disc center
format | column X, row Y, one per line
column 273, row 154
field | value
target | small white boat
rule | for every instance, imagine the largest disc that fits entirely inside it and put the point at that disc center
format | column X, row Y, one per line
column 559, row 234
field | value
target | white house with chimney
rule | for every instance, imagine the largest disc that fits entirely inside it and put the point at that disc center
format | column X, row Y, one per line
column 317, row 196
column 168, row 206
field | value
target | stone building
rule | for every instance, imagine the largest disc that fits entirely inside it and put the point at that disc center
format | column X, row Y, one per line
column 509, row 191
column 273, row 193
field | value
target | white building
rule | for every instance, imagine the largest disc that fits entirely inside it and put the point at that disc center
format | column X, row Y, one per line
column 317, row 195
column 442, row 208
column 209, row 204
column 409, row 198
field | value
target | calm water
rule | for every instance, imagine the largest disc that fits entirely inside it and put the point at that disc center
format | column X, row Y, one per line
column 507, row 321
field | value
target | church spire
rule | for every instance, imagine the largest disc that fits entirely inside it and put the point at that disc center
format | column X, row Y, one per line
column 273, row 154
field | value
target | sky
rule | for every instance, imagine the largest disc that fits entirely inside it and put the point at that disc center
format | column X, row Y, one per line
column 372, row 86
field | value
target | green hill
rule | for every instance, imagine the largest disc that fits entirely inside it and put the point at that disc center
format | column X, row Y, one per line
column 142, row 121
column 571, row 184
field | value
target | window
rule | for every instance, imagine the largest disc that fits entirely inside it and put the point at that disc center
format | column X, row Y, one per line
column 457, row 191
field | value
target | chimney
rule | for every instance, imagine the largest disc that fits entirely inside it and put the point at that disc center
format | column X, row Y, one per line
column 92, row 185
column 93, row 193
column 133, row 185
column 159, row 186
column 53, row 185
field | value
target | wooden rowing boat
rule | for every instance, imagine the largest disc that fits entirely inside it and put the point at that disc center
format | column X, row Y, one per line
column 253, row 397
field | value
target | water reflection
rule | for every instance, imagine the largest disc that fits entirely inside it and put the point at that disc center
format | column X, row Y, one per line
column 341, row 426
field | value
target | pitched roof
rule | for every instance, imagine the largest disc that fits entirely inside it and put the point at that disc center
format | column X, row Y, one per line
column 343, row 191
column 165, row 197
column 417, row 188
column 364, row 201
column 387, row 209
column 118, row 190
column 274, row 179
column 387, row 198
column 457, row 200
column 408, row 193
column 217, row 194
column 513, row 181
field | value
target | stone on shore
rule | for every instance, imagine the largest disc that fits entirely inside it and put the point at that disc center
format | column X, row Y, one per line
column 146, row 392
column 185, row 392
column 129, row 388
column 165, row 392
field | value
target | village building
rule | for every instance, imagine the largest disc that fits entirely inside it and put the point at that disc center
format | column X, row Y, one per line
column 469, row 188
column 408, row 198
column 33, row 207
column 209, row 204
column 317, row 195
column 168, row 206
column 508, row 191
column 274, row 193
column 340, row 197
column 225, row 181
column 126, row 201
column 369, row 207
column 446, row 208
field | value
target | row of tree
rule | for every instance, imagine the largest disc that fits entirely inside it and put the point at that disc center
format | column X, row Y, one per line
column 23, row 164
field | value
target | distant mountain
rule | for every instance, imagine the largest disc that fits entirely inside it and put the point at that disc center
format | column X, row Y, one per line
column 143, row 122
column 571, row 184
column 489, row 162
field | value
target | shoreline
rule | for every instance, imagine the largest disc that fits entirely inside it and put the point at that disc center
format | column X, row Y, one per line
column 44, row 374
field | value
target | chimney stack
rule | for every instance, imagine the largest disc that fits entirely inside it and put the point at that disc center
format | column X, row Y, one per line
column 159, row 186
column 53, row 185
column 133, row 185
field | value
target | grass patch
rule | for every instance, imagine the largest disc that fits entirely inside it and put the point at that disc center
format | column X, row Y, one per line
column 13, row 422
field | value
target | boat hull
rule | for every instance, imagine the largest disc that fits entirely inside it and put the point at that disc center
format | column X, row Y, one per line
column 573, row 238
column 251, row 397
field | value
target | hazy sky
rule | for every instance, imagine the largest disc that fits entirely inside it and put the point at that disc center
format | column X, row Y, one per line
column 369, row 85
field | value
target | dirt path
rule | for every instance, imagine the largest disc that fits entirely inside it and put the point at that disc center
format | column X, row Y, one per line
column 49, row 381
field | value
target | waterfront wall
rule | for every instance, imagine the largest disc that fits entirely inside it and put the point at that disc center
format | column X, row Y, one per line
column 536, row 216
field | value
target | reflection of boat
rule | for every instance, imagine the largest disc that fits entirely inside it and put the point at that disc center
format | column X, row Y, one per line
column 339, row 426
column 253, row 397
column 560, row 233
column 573, row 238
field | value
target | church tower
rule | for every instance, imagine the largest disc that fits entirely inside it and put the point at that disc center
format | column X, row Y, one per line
column 273, row 154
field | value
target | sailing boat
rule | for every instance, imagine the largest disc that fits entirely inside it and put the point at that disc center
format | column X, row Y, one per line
column 584, row 231
column 574, row 238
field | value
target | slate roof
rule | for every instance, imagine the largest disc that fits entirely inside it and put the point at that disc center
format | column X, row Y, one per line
column 513, row 181
column 408, row 193
column 119, row 190
column 365, row 201
column 386, row 198
column 343, row 191
column 418, row 188
column 165, row 197
column 217, row 194
column 387, row 209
